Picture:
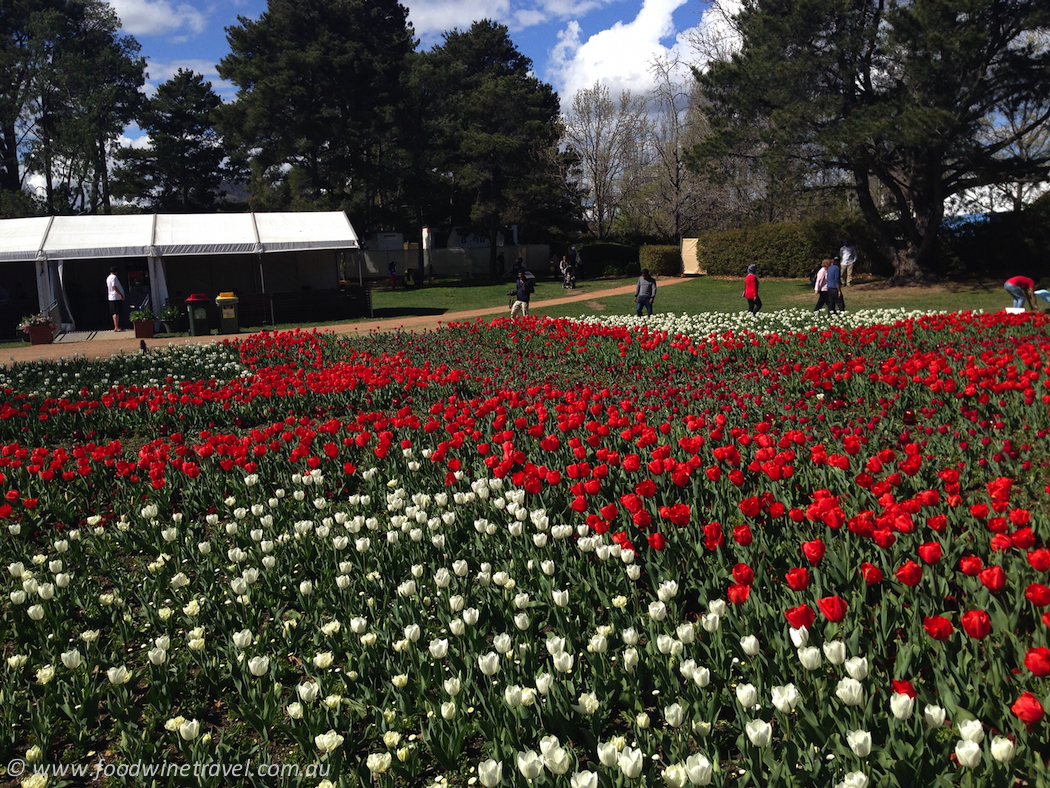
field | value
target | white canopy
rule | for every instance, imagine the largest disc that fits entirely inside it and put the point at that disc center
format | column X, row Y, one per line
column 166, row 235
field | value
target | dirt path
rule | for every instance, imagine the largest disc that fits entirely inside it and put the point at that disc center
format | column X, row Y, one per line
column 109, row 343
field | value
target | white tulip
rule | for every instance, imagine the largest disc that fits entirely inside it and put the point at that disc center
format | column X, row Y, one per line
column 489, row 663
column 747, row 695
column 785, row 698
column 675, row 715
column 902, row 705
column 327, row 742
column 759, row 732
column 934, row 715
column 259, row 666
column 971, row 730
column 857, row 668
column 850, row 691
column 809, row 656
column 490, row 773
column 859, row 742
column 608, row 753
column 749, row 644
column 698, row 769
column 530, row 764
column 631, row 762
column 968, row 752
column 1002, row 749
column 835, row 651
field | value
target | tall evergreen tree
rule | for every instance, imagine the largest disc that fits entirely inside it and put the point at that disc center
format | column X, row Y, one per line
column 70, row 84
column 501, row 131
column 894, row 94
column 183, row 169
column 317, row 86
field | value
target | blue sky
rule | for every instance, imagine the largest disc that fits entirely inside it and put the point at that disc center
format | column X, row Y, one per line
column 572, row 43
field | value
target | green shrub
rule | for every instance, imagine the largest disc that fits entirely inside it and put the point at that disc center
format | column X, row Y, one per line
column 605, row 259
column 661, row 260
column 786, row 250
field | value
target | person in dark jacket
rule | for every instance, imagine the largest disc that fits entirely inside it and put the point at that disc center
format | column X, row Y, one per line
column 522, row 292
column 644, row 293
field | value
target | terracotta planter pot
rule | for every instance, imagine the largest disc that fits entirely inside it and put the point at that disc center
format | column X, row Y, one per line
column 143, row 329
column 40, row 335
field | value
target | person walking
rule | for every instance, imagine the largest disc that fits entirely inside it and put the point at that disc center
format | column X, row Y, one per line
column 522, row 291
column 115, row 294
column 847, row 257
column 1021, row 288
column 754, row 303
column 820, row 287
column 644, row 293
column 835, row 301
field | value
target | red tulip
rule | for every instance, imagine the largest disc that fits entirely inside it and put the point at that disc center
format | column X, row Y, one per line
column 930, row 552
column 902, row 687
column 1037, row 660
column 1028, row 709
column 910, row 573
column 813, row 550
column 737, row 594
column 871, row 573
column 1038, row 594
column 797, row 579
column 976, row 623
column 993, row 578
column 742, row 535
column 938, row 627
column 743, row 574
column 1039, row 559
column 657, row 541
column 801, row 616
column 833, row 607
column 970, row 565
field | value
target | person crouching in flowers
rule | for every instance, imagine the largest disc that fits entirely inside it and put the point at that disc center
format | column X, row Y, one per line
column 754, row 303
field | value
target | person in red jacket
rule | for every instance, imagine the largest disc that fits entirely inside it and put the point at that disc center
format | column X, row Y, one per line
column 1021, row 288
column 754, row 303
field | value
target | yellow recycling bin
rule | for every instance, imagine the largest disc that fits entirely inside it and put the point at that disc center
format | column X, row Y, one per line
column 229, row 322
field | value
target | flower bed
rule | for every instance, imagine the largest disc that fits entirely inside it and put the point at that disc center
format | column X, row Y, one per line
column 586, row 553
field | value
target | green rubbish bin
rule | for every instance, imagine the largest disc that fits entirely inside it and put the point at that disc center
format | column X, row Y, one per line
column 196, row 309
column 228, row 319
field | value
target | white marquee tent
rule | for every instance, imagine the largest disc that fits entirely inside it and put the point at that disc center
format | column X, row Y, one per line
column 159, row 236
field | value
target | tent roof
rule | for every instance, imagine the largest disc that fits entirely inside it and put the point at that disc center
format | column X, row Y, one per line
column 167, row 235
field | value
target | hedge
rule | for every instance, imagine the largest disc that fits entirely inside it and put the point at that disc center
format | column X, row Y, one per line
column 785, row 250
column 608, row 259
column 661, row 260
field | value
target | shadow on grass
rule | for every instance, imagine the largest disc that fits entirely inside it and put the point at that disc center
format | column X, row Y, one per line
column 407, row 311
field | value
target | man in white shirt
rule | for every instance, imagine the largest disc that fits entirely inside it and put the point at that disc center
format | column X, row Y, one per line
column 115, row 292
column 847, row 257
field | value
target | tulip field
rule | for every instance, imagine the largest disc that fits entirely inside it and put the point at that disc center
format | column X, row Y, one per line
column 691, row 550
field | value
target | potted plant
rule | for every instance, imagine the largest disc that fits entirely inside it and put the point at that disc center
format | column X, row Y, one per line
column 173, row 319
column 143, row 319
column 39, row 327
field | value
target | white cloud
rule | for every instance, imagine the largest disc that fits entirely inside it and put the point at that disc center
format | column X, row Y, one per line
column 162, row 72
column 159, row 17
column 431, row 18
column 619, row 56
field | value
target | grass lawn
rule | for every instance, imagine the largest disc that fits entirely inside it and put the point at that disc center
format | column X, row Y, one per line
column 708, row 294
